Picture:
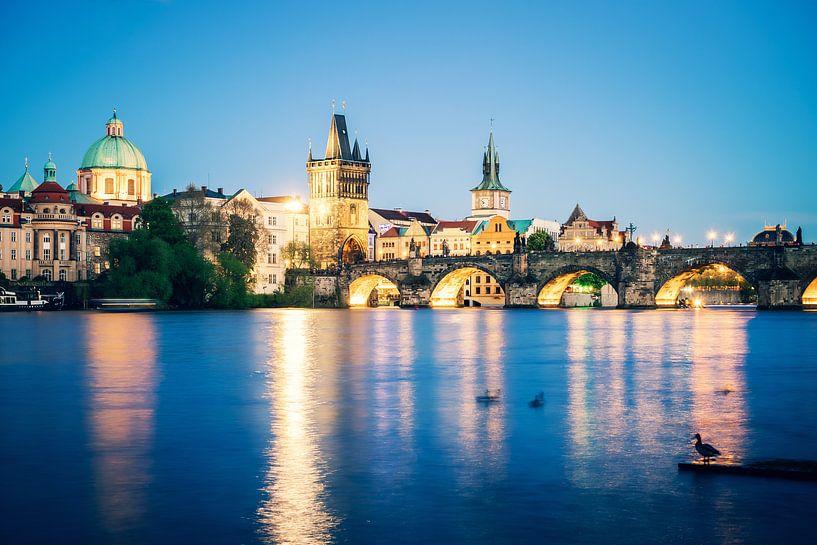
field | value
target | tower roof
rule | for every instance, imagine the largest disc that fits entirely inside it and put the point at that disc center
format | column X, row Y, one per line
column 337, row 145
column 490, row 168
column 577, row 213
column 26, row 182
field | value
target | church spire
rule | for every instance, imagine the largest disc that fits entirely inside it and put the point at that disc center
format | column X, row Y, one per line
column 310, row 151
column 356, row 152
column 490, row 167
column 337, row 145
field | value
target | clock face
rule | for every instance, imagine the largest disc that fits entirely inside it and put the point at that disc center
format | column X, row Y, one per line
column 483, row 202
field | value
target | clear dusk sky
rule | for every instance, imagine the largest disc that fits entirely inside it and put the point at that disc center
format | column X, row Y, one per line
column 689, row 117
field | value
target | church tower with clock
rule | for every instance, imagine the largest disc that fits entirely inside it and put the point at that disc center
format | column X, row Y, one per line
column 490, row 197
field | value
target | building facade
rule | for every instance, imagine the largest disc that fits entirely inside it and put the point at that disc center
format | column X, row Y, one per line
column 580, row 234
column 339, row 199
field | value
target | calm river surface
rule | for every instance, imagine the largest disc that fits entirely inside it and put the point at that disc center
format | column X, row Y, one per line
column 290, row 426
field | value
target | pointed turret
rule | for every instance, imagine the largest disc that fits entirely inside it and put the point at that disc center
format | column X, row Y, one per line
column 26, row 182
column 356, row 152
column 490, row 167
column 309, row 158
column 367, row 154
column 337, row 145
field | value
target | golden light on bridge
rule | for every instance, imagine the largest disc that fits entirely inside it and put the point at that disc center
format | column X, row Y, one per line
column 667, row 296
column 810, row 295
column 361, row 289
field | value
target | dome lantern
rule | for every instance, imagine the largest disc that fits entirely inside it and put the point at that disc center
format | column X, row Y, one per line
column 49, row 170
column 114, row 126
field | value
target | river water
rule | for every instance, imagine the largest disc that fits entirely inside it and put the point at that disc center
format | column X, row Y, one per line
column 360, row 426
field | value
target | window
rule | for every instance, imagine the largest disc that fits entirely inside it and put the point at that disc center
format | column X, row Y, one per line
column 28, row 236
column 62, row 254
column 477, row 290
column 14, row 274
column 47, row 274
column 47, row 254
column 108, row 185
column 479, row 279
column 28, row 255
column 269, row 279
column 116, row 222
column 13, row 254
column 97, row 252
column 269, row 238
column 97, row 268
column 274, row 259
column 6, row 216
column 96, row 221
column 274, row 278
column 14, row 236
column 63, row 275
column 275, row 220
column 498, row 290
column 131, row 187
column 269, row 258
column 275, row 239
column 28, row 273
column 269, row 220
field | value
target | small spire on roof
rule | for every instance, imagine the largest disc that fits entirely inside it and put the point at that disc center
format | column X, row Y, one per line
column 26, row 163
column 333, row 106
column 310, row 149
column 50, row 158
column 114, row 112
column 343, row 105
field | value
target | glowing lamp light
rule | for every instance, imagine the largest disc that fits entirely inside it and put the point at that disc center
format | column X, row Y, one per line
column 729, row 238
column 712, row 235
column 655, row 238
column 293, row 205
column 677, row 239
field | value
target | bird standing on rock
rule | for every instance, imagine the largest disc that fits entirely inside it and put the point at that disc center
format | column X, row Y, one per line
column 705, row 449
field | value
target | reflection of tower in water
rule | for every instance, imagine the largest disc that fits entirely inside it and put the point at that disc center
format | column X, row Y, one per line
column 121, row 355
column 294, row 510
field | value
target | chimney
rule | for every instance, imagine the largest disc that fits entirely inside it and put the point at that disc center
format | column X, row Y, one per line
column 398, row 209
column 174, row 191
column 221, row 191
column 204, row 189
column 155, row 195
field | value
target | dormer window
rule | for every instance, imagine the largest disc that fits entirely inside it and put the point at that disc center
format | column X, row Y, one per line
column 96, row 221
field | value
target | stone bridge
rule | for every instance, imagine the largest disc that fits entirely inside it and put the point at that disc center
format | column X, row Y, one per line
column 783, row 277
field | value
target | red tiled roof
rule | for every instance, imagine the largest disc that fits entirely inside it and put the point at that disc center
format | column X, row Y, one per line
column 465, row 225
column 107, row 210
column 49, row 192
column 14, row 204
column 391, row 232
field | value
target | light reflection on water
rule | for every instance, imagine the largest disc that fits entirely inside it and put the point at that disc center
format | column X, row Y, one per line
column 121, row 382
column 361, row 426
column 294, row 510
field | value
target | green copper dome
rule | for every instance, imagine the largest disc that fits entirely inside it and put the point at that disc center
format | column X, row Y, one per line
column 26, row 183
column 114, row 150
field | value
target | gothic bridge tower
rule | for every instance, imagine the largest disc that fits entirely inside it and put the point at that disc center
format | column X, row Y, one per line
column 490, row 197
column 339, row 199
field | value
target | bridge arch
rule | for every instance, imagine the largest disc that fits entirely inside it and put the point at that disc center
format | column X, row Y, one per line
column 447, row 289
column 669, row 290
column 360, row 289
column 810, row 294
column 550, row 291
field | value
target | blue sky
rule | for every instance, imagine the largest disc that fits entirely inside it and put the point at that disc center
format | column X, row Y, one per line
column 690, row 117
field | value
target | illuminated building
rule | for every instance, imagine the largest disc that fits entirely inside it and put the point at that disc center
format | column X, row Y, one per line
column 581, row 234
column 775, row 235
column 58, row 234
column 339, row 199
column 113, row 169
column 453, row 235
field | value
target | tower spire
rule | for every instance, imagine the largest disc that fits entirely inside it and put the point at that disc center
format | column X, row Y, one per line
column 310, row 150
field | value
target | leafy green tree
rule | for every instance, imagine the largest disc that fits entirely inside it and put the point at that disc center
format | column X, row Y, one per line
column 4, row 283
column 192, row 277
column 590, row 280
column 140, row 267
column 298, row 255
column 230, row 283
column 242, row 241
column 159, row 220
column 540, row 241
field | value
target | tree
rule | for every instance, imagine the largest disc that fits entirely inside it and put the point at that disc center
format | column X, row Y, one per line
column 231, row 283
column 201, row 222
column 140, row 267
column 160, row 221
column 541, row 241
column 298, row 255
column 242, row 242
column 191, row 276
column 590, row 280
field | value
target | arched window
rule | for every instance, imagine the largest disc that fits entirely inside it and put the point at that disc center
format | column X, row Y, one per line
column 47, row 274
column 116, row 222
column 96, row 221
column 353, row 214
column 46, row 210
column 131, row 187
column 109, row 185
column 63, row 275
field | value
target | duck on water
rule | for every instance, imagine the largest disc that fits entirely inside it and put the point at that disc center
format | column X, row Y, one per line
column 705, row 449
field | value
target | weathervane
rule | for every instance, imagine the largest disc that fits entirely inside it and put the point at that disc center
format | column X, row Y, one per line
column 343, row 105
column 333, row 106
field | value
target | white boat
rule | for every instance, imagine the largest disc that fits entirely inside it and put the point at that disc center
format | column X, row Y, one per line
column 10, row 301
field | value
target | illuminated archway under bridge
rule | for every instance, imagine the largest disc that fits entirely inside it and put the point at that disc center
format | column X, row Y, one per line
column 669, row 293
column 449, row 291
column 360, row 290
column 810, row 295
column 551, row 292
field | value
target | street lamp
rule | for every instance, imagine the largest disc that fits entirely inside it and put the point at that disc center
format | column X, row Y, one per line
column 712, row 235
column 729, row 238
column 677, row 240
column 655, row 238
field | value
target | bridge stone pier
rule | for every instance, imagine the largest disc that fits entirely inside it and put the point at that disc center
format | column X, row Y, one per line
column 783, row 277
